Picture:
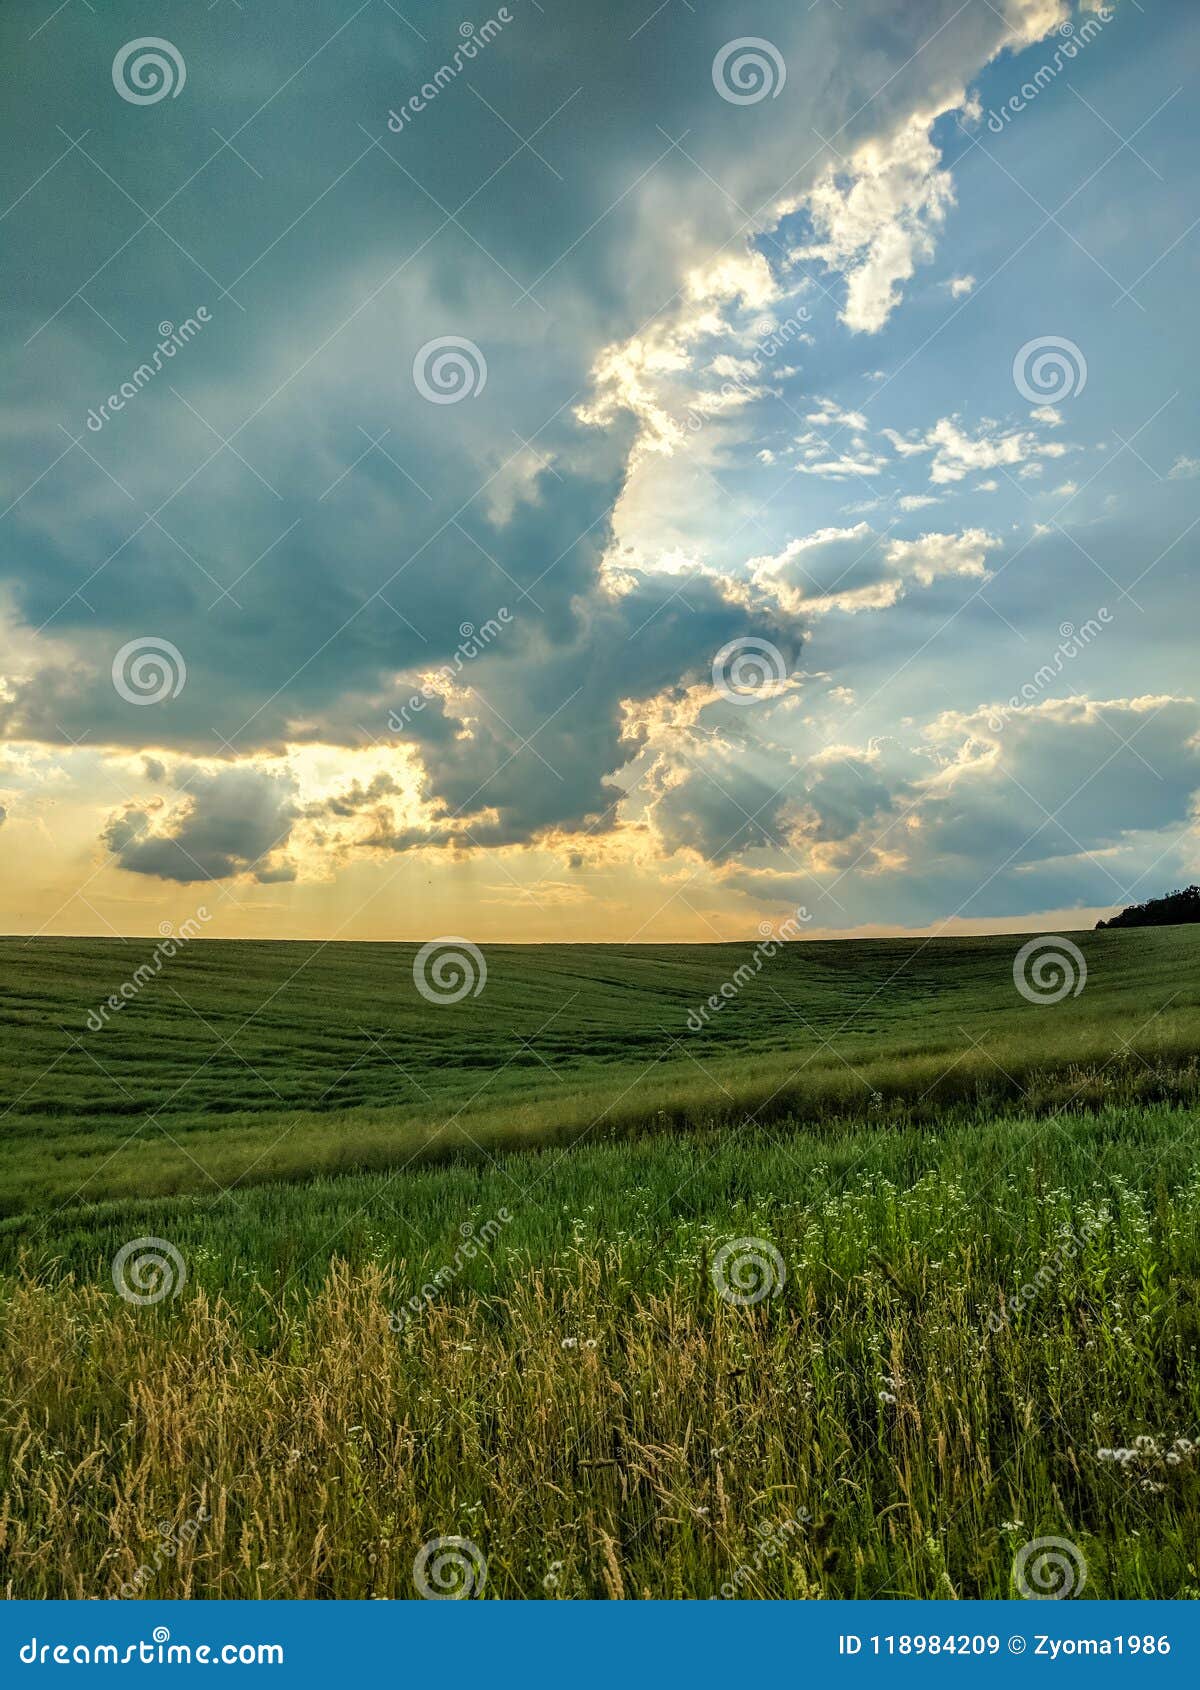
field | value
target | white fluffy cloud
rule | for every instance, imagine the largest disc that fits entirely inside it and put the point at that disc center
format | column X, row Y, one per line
column 957, row 453
column 876, row 218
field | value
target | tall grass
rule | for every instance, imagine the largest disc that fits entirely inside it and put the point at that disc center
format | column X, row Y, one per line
column 581, row 1403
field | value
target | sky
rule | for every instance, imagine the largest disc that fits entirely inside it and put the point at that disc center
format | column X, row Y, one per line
column 597, row 471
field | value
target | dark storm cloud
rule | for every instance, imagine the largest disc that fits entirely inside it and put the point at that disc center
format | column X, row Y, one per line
column 227, row 822
column 547, row 734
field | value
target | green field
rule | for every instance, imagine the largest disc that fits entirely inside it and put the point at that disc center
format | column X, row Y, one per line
column 250, row 1062
column 456, row 1270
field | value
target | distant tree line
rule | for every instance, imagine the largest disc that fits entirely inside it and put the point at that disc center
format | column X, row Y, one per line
column 1160, row 912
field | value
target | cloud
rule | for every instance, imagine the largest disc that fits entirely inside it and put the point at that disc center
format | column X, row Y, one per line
column 721, row 803
column 832, row 569
column 1063, row 776
column 716, row 351
column 957, row 453
column 815, row 814
column 846, row 791
column 876, row 219
column 858, row 569
column 229, row 821
column 960, row 286
column 829, row 414
column 942, row 554
column 840, row 468
column 905, row 446
column 973, row 816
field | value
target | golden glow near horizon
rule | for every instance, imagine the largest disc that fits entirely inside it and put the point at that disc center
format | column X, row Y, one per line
column 59, row 883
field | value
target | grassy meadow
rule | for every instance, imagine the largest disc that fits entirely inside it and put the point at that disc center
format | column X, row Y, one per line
column 463, row 1270
column 245, row 1062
